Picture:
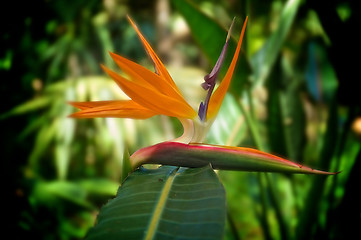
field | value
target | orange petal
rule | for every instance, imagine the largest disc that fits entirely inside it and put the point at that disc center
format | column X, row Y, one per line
column 135, row 71
column 83, row 105
column 161, row 70
column 118, row 109
column 151, row 99
column 217, row 97
column 145, row 77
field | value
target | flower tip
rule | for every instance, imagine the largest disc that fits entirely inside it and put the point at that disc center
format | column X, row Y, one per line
column 132, row 22
column 114, row 56
column 74, row 115
column 79, row 105
column 71, row 103
column 230, row 29
column 317, row 172
column 103, row 67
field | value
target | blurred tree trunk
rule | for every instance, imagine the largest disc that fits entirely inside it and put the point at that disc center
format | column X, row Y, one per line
column 164, row 42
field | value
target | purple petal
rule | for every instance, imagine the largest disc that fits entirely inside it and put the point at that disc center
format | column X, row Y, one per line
column 210, row 79
column 201, row 111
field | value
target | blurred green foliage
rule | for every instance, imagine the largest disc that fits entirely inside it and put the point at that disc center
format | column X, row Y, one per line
column 295, row 94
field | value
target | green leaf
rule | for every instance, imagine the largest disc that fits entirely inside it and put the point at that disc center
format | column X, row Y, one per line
column 26, row 107
column 211, row 37
column 99, row 186
column 50, row 193
column 229, row 127
column 295, row 120
column 316, row 191
column 276, row 115
column 125, row 165
column 265, row 58
column 165, row 203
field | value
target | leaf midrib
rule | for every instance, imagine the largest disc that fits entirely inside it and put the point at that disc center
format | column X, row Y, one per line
column 153, row 225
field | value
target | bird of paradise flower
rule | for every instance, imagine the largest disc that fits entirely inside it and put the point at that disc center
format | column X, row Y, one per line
column 155, row 93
